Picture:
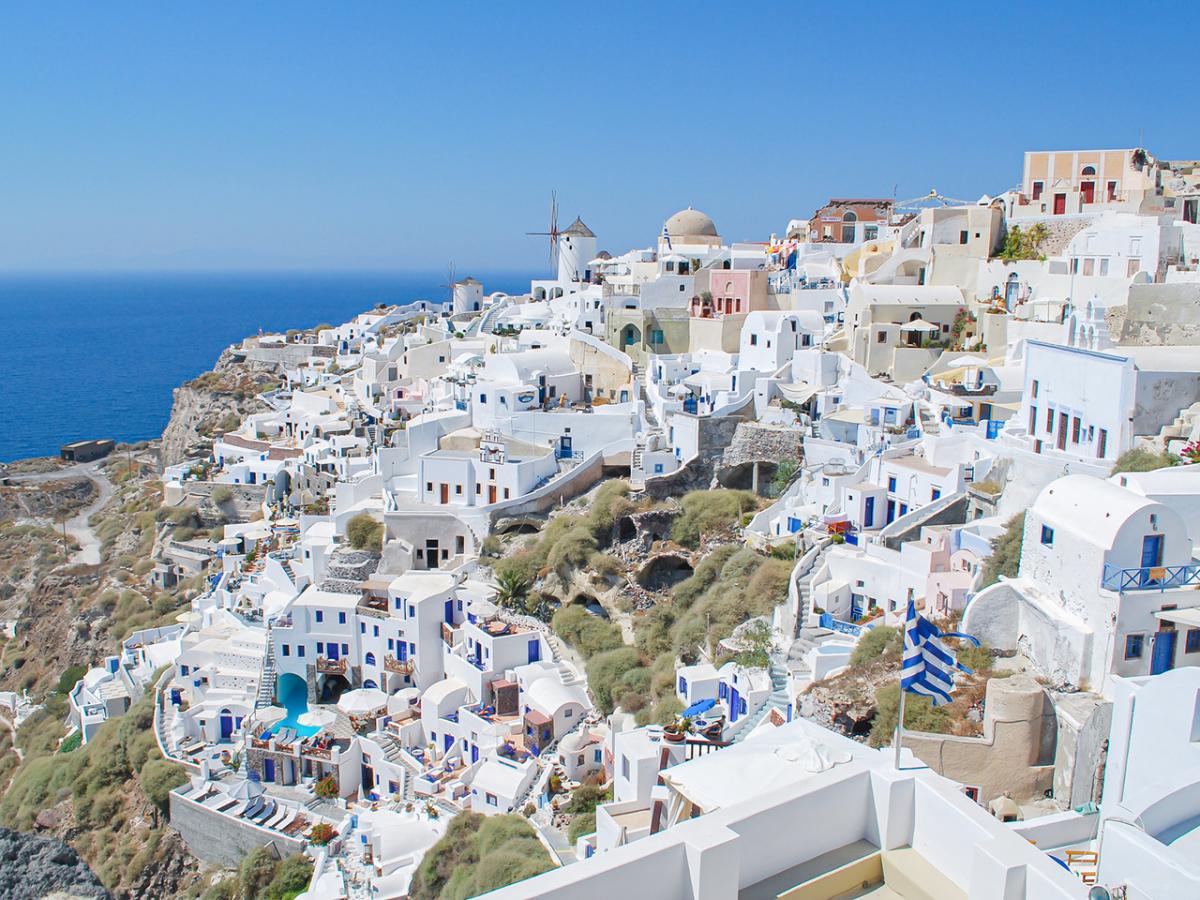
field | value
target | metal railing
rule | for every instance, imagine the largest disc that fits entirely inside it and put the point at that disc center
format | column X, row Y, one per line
column 1149, row 578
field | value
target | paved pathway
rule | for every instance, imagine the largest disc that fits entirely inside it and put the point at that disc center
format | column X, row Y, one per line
column 77, row 526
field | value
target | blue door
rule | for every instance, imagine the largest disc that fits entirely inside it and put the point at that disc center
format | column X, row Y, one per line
column 735, row 704
column 331, row 651
column 535, row 650
column 856, row 610
column 449, row 738
column 474, row 753
column 226, row 727
column 891, row 511
column 565, row 445
column 1162, row 657
column 448, row 612
column 268, row 770
column 1151, row 558
column 869, row 512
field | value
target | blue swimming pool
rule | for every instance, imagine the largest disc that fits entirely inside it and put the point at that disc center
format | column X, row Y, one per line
column 292, row 694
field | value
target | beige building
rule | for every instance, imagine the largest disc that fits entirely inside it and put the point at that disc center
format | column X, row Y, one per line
column 1082, row 182
column 898, row 329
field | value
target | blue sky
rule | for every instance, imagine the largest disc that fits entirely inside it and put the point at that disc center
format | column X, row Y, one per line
column 388, row 135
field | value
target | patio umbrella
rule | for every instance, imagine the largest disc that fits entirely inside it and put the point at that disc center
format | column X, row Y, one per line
column 247, row 789
column 317, row 718
column 919, row 325
column 362, row 701
column 270, row 715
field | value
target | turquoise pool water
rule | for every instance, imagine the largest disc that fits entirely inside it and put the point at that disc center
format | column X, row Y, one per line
column 292, row 695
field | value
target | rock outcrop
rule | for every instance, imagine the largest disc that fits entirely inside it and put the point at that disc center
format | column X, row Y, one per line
column 35, row 867
column 215, row 402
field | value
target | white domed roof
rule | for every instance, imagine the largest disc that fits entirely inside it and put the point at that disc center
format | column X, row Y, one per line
column 691, row 222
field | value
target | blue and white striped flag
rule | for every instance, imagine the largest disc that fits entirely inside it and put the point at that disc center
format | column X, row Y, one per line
column 928, row 666
column 667, row 236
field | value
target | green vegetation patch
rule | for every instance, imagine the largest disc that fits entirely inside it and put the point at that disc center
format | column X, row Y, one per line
column 478, row 854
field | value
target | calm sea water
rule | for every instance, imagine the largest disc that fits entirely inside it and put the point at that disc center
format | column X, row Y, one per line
column 97, row 355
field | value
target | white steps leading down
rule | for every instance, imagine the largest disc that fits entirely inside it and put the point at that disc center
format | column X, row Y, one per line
column 778, row 699
column 266, row 679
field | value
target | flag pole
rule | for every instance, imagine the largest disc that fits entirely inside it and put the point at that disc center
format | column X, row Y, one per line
column 900, row 707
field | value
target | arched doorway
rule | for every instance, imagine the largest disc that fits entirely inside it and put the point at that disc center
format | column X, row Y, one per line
column 330, row 688
column 631, row 336
column 848, row 222
column 226, row 721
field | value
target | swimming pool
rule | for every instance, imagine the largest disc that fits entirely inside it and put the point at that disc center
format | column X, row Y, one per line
column 292, row 694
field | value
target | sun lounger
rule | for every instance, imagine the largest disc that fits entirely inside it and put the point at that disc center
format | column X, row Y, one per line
column 282, row 816
column 238, row 808
column 225, row 805
column 267, row 812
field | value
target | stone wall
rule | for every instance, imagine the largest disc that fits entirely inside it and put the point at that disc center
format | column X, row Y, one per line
column 755, row 442
column 714, row 437
column 1158, row 314
column 220, row 839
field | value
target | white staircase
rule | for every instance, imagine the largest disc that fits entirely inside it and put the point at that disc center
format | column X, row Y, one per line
column 778, row 699
column 266, row 678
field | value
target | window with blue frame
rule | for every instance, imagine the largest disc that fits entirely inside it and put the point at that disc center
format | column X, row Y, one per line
column 891, row 485
column 934, row 494
column 1191, row 643
column 320, row 647
column 320, row 616
column 341, row 618
column 1134, row 644
column 1047, row 536
column 362, row 627
column 300, row 650
column 374, row 631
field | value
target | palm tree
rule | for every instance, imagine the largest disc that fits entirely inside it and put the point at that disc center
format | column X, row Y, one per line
column 512, row 588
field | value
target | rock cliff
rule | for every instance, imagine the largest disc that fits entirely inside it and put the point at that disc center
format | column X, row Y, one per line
column 212, row 403
column 37, row 867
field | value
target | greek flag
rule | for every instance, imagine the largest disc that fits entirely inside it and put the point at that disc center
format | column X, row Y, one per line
column 666, row 236
column 928, row 666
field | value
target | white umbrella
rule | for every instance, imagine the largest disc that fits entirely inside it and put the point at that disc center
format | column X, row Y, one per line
column 269, row 715
column 362, row 701
column 247, row 789
column 317, row 718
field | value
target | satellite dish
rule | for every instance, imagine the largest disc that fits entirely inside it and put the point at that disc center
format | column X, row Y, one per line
column 1099, row 893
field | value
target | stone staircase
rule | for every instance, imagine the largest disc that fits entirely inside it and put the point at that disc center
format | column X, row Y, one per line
column 268, row 676
column 778, row 699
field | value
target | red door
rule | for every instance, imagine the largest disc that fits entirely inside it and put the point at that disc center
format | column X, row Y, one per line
column 491, row 493
column 445, row 493
column 1088, row 191
column 1060, row 204
column 1062, row 431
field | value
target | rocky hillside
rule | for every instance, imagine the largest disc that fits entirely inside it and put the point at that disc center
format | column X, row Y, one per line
column 35, row 867
column 213, row 403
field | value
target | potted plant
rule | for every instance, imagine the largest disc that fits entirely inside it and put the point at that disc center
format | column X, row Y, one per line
column 322, row 833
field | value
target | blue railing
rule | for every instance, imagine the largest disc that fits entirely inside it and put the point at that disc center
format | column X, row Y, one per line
column 828, row 621
column 1149, row 578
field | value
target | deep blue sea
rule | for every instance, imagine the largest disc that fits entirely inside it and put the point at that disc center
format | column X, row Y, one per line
column 97, row 355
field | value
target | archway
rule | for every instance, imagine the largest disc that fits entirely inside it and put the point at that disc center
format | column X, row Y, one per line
column 631, row 336
column 660, row 573
column 331, row 687
column 590, row 603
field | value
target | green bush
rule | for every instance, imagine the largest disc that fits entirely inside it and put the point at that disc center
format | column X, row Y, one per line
column 605, row 564
column 159, row 777
column 605, row 671
column 1142, row 460
column 1006, row 552
column 478, row 854
column 877, row 642
column 585, row 632
column 70, row 677
column 571, row 551
column 222, row 493
column 581, row 825
column 291, row 878
column 705, row 511
column 919, row 715
column 365, row 533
